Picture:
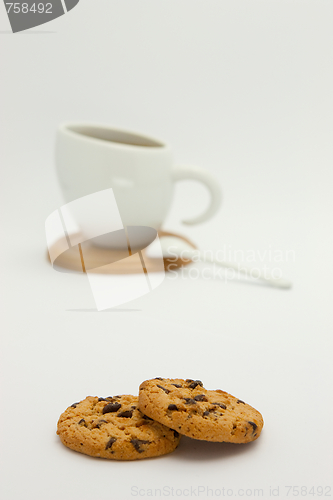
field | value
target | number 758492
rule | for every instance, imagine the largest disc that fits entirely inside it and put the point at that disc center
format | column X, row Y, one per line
column 24, row 8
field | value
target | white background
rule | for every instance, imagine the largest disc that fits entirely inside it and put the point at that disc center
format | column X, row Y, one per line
column 243, row 88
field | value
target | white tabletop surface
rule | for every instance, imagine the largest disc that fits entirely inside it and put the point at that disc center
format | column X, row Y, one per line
column 243, row 89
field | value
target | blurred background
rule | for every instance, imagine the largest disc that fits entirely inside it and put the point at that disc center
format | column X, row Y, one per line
column 240, row 88
column 244, row 89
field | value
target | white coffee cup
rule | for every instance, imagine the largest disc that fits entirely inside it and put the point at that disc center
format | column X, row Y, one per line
column 140, row 170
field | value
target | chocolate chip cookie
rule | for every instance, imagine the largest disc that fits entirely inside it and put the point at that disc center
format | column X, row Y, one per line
column 114, row 428
column 190, row 409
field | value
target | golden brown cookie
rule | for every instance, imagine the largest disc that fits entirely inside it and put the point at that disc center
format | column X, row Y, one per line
column 187, row 407
column 114, row 428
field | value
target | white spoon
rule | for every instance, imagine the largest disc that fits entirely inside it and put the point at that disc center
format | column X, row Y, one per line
column 174, row 247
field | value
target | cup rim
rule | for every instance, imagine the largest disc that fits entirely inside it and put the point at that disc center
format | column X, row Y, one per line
column 67, row 127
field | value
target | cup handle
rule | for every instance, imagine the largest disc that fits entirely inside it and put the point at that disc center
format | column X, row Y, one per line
column 182, row 172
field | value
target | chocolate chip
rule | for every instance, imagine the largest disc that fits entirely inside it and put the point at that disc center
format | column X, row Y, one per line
column 103, row 399
column 254, row 426
column 200, row 397
column 178, row 386
column 221, row 405
column 158, row 378
column 195, row 383
column 176, row 434
column 74, row 405
column 100, row 422
column 240, row 401
column 190, row 401
column 173, row 407
column 110, row 443
column 82, row 421
column 125, row 414
column 163, row 389
column 137, row 444
column 146, row 417
column 111, row 407
column 209, row 411
column 188, row 380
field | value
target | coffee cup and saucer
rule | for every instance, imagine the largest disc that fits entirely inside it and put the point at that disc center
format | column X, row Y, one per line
column 96, row 162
